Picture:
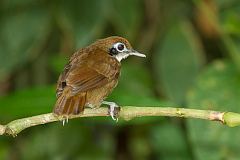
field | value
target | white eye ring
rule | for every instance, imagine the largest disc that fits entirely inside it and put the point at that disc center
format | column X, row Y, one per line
column 120, row 47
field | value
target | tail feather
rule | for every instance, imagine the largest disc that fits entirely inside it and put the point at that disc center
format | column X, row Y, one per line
column 59, row 107
column 73, row 105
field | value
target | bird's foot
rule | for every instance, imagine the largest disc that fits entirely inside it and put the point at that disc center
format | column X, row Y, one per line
column 65, row 119
column 113, row 109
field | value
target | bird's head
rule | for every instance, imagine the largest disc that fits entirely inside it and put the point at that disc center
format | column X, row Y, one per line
column 117, row 47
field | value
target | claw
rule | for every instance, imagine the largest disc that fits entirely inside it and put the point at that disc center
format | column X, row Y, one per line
column 63, row 122
column 113, row 110
column 65, row 119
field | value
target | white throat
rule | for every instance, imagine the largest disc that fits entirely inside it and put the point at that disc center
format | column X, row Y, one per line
column 121, row 56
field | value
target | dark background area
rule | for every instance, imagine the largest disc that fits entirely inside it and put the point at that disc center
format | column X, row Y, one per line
column 193, row 61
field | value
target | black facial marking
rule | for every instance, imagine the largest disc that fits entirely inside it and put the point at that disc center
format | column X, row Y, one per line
column 113, row 51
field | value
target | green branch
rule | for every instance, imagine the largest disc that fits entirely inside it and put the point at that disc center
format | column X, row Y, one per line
column 127, row 113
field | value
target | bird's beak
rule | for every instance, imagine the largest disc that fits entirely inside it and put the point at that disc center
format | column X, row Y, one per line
column 136, row 53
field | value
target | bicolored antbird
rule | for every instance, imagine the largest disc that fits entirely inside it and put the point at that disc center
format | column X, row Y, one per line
column 91, row 75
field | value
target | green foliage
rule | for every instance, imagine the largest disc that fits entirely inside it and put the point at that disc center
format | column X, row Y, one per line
column 20, row 35
column 168, row 141
column 38, row 37
column 178, row 60
column 71, row 17
column 126, row 22
column 28, row 102
column 216, row 90
column 138, row 92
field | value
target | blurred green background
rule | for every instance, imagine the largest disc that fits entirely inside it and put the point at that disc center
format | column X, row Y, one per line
column 193, row 60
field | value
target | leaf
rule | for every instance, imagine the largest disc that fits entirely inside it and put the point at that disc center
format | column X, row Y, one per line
column 229, row 16
column 8, row 5
column 230, row 22
column 4, row 148
column 126, row 17
column 27, row 102
column 82, row 139
column 168, row 142
column 134, row 86
column 57, row 63
column 177, row 61
column 20, row 36
column 83, row 20
column 217, row 88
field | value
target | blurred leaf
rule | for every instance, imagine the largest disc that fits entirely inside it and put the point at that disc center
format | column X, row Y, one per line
column 126, row 17
column 79, row 139
column 134, row 87
column 20, row 36
column 231, row 22
column 57, row 63
column 4, row 149
column 217, row 88
column 168, row 142
column 27, row 102
column 83, row 20
column 16, row 4
column 178, row 61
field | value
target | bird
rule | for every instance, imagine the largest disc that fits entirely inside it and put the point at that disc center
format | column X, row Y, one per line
column 90, row 76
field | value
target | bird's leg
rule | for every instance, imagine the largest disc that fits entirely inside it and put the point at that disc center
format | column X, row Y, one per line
column 113, row 109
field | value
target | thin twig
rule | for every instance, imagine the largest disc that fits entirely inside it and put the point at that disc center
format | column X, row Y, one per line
column 127, row 113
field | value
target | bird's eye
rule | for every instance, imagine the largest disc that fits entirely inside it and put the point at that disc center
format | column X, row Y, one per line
column 120, row 47
column 117, row 48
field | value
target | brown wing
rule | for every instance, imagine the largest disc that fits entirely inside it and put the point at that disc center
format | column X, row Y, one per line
column 83, row 79
column 80, row 76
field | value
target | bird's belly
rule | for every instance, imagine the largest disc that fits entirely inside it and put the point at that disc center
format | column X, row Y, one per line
column 96, row 96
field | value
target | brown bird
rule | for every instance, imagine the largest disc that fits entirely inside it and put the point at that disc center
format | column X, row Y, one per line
column 91, row 75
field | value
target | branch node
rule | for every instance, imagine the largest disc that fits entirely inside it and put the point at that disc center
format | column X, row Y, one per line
column 179, row 113
column 216, row 116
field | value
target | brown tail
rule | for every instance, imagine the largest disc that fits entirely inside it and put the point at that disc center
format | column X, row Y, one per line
column 72, row 105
